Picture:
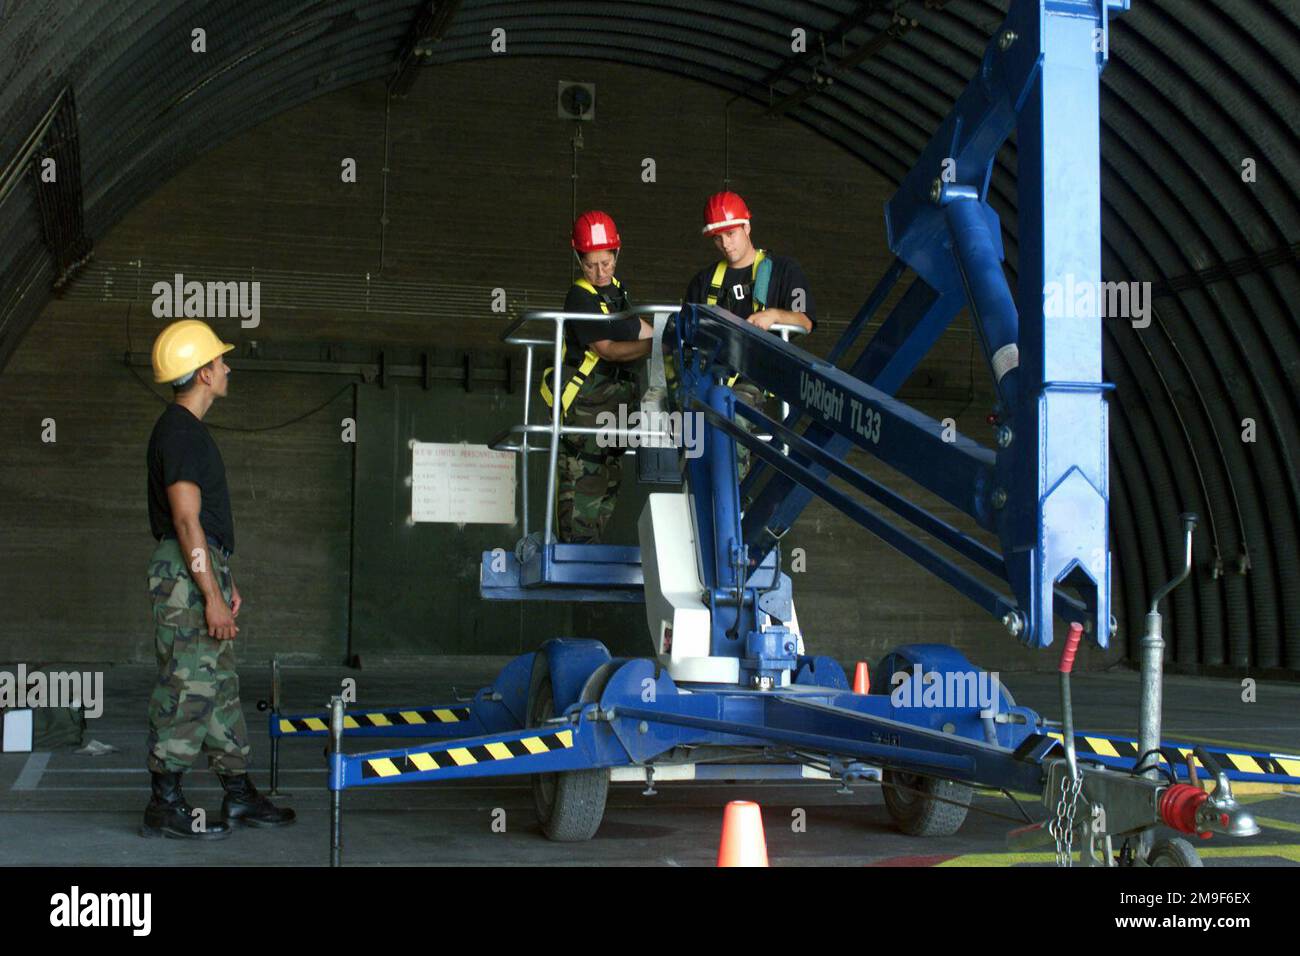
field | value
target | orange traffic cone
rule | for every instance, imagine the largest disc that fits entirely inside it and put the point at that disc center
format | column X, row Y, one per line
column 861, row 679
column 743, row 843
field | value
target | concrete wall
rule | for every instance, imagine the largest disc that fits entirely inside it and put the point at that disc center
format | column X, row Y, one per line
column 478, row 197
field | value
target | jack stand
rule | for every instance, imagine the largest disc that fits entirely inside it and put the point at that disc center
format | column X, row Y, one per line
column 848, row 773
column 649, row 790
column 1152, row 676
column 274, row 706
column 336, row 778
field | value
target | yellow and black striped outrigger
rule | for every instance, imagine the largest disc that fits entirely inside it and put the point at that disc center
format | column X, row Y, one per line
column 1253, row 766
column 466, row 756
column 488, row 711
column 384, row 723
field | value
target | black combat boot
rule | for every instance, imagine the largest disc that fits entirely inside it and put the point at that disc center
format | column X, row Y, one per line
column 170, row 815
column 245, row 804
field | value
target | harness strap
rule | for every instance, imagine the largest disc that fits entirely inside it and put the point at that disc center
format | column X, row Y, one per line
column 590, row 359
column 760, row 274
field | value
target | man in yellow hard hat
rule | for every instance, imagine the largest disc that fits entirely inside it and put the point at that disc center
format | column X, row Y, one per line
column 195, row 707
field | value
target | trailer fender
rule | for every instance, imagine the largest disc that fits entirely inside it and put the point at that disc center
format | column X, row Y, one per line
column 570, row 661
column 953, row 668
column 506, row 699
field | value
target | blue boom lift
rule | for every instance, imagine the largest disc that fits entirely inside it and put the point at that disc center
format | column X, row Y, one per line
column 730, row 678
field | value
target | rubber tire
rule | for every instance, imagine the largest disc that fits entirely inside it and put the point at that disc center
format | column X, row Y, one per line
column 1175, row 852
column 922, row 816
column 570, row 805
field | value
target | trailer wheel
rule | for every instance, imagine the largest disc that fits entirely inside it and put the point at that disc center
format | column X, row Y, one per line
column 920, row 814
column 570, row 804
column 1175, row 852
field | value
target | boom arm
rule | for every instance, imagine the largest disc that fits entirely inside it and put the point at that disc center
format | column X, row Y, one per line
column 1044, row 488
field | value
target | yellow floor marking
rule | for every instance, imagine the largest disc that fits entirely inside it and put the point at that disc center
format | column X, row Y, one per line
column 1245, row 792
column 1278, row 824
column 1288, row 852
column 998, row 795
column 1252, row 798
column 1256, row 787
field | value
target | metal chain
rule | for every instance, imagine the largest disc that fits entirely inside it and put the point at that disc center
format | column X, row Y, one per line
column 1062, row 826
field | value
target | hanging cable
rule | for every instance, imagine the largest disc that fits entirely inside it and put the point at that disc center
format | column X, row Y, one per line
column 225, row 428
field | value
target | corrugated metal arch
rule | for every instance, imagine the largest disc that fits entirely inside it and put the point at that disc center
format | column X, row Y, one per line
column 1191, row 91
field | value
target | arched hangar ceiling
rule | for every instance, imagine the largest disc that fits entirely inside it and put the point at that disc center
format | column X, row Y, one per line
column 1192, row 90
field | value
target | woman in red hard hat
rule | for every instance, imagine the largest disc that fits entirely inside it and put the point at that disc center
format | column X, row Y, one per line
column 762, row 289
column 597, row 376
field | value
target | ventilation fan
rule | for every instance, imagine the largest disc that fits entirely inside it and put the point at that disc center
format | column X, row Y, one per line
column 577, row 101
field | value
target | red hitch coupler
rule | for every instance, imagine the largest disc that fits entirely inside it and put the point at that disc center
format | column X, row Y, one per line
column 1178, row 806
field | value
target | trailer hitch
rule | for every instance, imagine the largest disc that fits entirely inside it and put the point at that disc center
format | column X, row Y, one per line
column 1189, row 809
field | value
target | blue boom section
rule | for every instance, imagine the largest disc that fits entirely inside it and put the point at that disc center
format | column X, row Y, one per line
column 1048, row 490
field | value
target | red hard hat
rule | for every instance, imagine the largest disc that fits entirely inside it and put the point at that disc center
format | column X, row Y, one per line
column 724, row 211
column 595, row 230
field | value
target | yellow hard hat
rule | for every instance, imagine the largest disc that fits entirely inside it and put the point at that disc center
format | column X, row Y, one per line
column 184, row 346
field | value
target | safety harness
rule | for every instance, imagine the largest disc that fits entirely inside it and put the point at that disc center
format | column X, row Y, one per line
column 760, row 274
column 590, row 358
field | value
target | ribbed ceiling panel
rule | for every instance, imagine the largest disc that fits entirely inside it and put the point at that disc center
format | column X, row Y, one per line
column 1192, row 89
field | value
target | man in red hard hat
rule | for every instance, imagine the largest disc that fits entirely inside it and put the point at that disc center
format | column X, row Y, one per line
column 597, row 376
column 761, row 288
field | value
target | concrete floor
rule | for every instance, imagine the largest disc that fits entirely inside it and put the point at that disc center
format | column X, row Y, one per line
column 68, row 809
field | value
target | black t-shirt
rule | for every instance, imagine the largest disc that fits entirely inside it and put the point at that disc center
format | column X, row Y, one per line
column 180, row 449
column 578, row 335
column 787, row 288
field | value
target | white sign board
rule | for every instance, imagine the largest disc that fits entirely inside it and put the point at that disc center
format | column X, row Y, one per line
column 462, row 484
column 17, row 734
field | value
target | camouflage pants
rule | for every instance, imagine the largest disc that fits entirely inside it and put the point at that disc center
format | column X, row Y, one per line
column 195, row 704
column 587, row 475
column 752, row 396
